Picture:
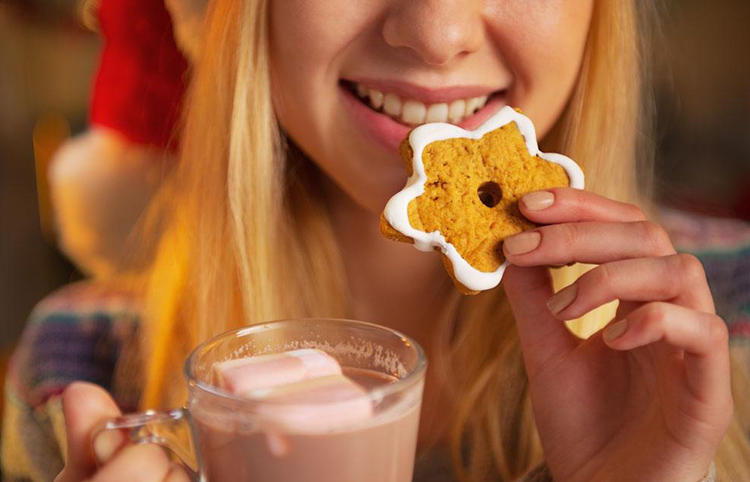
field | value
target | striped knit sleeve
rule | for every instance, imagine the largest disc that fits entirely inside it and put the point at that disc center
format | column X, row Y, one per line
column 723, row 246
column 71, row 335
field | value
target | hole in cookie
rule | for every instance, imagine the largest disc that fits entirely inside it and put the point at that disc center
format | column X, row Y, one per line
column 490, row 194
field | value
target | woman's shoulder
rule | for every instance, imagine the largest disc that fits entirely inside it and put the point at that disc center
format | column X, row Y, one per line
column 723, row 246
column 79, row 332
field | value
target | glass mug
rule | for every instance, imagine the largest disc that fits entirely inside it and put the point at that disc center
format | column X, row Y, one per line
column 221, row 437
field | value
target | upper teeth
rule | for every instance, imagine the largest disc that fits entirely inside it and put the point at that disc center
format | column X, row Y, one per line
column 410, row 111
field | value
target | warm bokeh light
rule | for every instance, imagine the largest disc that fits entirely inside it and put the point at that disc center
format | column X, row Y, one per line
column 50, row 131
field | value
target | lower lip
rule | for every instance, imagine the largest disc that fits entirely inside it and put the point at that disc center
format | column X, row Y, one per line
column 390, row 133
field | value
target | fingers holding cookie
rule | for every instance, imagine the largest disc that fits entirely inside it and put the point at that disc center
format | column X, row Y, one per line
column 582, row 227
column 567, row 205
column 587, row 242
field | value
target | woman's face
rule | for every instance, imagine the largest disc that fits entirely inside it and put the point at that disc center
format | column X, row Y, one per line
column 352, row 77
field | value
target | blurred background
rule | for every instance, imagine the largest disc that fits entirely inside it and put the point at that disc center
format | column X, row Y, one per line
column 47, row 61
column 48, row 58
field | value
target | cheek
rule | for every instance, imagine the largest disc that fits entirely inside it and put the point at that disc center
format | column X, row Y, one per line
column 302, row 48
column 307, row 39
column 311, row 43
column 543, row 44
column 306, row 34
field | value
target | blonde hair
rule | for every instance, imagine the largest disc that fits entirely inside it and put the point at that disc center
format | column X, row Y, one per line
column 246, row 235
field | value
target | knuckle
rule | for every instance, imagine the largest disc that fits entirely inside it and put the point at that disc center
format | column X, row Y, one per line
column 654, row 314
column 581, row 198
column 690, row 267
column 635, row 212
column 664, row 290
column 573, row 199
column 654, row 236
column 601, row 276
column 557, row 243
column 599, row 283
column 567, row 234
column 718, row 334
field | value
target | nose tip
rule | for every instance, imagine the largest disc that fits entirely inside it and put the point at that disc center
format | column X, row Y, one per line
column 437, row 32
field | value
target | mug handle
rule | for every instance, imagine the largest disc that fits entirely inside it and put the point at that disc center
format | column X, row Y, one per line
column 169, row 429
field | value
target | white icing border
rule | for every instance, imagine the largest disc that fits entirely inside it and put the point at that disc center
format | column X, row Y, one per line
column 396, row 211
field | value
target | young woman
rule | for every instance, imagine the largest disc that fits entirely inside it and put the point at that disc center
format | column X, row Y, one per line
column 273, row 213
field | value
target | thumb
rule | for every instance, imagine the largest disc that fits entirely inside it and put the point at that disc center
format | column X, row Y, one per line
column 542, row 336
column 85, row 406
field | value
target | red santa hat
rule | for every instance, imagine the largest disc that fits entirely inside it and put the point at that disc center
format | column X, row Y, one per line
column 142, row 75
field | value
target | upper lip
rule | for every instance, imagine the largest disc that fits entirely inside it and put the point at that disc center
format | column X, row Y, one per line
column 426, row 95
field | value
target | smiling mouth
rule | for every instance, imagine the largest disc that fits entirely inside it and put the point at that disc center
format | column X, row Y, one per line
column 412, row 112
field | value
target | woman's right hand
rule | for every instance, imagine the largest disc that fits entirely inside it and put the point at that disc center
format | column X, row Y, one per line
column 85, row 406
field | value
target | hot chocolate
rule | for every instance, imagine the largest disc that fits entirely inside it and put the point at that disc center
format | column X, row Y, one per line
column 376, row 448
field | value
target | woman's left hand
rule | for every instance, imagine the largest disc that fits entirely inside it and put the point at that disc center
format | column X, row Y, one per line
column 648, row 398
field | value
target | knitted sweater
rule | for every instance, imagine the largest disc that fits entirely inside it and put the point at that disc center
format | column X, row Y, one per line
column 88, row 332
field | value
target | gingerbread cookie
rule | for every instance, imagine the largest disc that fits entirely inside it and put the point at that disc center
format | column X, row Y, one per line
column 462, row 194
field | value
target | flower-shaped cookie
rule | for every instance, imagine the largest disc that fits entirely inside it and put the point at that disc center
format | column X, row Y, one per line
column 462, row 194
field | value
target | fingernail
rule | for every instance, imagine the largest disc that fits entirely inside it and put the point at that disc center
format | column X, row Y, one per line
column 536, row 201
column 615, row 330
column 106, row 444
column 522, row 243
column 562, row 299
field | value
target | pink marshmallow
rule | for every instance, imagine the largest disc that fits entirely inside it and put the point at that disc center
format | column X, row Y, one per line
column 267, row 371
column 314, row 405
